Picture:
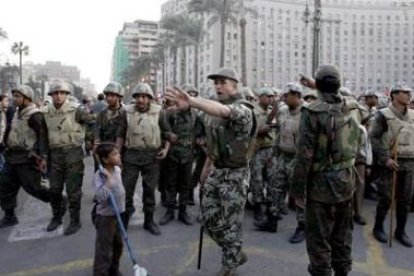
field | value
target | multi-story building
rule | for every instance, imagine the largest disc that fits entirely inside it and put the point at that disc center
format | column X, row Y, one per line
column 370, row 40
column 55, row 70
column 134, row 40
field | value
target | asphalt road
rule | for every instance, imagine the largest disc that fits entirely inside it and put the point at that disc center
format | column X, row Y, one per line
column 27, row 249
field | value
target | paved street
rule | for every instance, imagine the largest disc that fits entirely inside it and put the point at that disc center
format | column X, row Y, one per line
column 27, row 249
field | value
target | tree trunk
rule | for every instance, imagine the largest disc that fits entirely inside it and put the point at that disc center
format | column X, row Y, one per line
column 223, row 21
column 243, row 23
column 196, row 64
column 183, row 63
column 21, row 68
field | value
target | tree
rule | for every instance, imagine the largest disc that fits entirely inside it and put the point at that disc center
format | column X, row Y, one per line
column 20, row 49
column 3, row 33
column 182, row 30
column 223, row 11
column 8, row 77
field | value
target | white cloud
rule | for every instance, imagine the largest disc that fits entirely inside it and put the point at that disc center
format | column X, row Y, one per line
column 75, row 32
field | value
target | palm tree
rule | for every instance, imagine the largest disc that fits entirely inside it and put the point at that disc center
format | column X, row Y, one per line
column 20, row 49
column 3, row 33
column 184, row 31
column 223, row 11
column 243, row 12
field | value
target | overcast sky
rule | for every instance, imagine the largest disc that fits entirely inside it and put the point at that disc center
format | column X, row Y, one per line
column 75, row 32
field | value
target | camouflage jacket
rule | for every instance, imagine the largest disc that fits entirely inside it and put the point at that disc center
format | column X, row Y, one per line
column 323, row 168
column 107, row 124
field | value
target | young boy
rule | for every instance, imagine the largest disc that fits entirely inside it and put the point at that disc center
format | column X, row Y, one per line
column 108, row 245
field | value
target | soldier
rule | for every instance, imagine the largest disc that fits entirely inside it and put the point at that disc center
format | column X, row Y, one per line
column 261, row 160
column 26, row 155
column 248, row 94
column 140, row 133
column 288, row 126
column 109, row 119
column 184, row 126
column 231, row 130
column 329, row 139
column 392, row 137
column 199, row 151
column 66, row 122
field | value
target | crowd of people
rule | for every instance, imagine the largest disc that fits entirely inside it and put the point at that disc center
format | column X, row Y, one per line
column 314, row 147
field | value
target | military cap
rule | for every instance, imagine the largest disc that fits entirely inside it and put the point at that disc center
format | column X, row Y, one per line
column 62, row 86
column 293, row 87
column 25, row 90
column 247, row 92
column 264, row 91
column 400, row 86
column 328, row 71
column 310, row 93
column 345, row 91
column 115, row 88
column 143, row 88
column 226, row 73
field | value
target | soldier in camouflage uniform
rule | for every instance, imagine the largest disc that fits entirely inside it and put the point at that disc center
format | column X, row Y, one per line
column 329, row 138
column 183, row 127
column 288, row 119
column 394, row 126
column 26, row 155
column 231, row 130
column 140, row 133
column 109, row 119
column 261, row 160
column 66, row 122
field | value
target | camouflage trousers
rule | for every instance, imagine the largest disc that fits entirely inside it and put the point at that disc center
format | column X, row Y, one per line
column 404, row 191
column 67, row 169
column 279, row 183
column 222, row 207
column 259, row 169
column 329, row 237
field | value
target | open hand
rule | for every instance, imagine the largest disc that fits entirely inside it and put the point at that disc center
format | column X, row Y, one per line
column 180, row 100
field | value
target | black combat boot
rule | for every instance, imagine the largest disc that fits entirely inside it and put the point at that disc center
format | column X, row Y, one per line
column 378, row 230
column 9, row 219
column 74, row 224
column 258, row 212
column 150, row 225
column 267, row 225
column 183, row 215
column 360, row 220
column 400, row 234
column 168, row 217
column 58, row 210
column 299, row 234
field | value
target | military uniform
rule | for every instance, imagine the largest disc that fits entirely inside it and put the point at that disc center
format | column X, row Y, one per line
column 27, row 144
column 261, row 160
column 141, row 132
column 178, row 164
column 391, row 126
column 66, row 136
column 329, row 139
column 225, row 190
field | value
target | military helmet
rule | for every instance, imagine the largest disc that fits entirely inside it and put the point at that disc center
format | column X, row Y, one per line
column 25, row 90
column 115, row 88
column 62, row 86
column 310, row 93
column 247, row 92
column 264, row 91
column 293, row 87
column 189, row 88
column 276, row 91
column 370, row 93
column 143, row 88
column 400, row 86
column 345, row 91
column 226, row 73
